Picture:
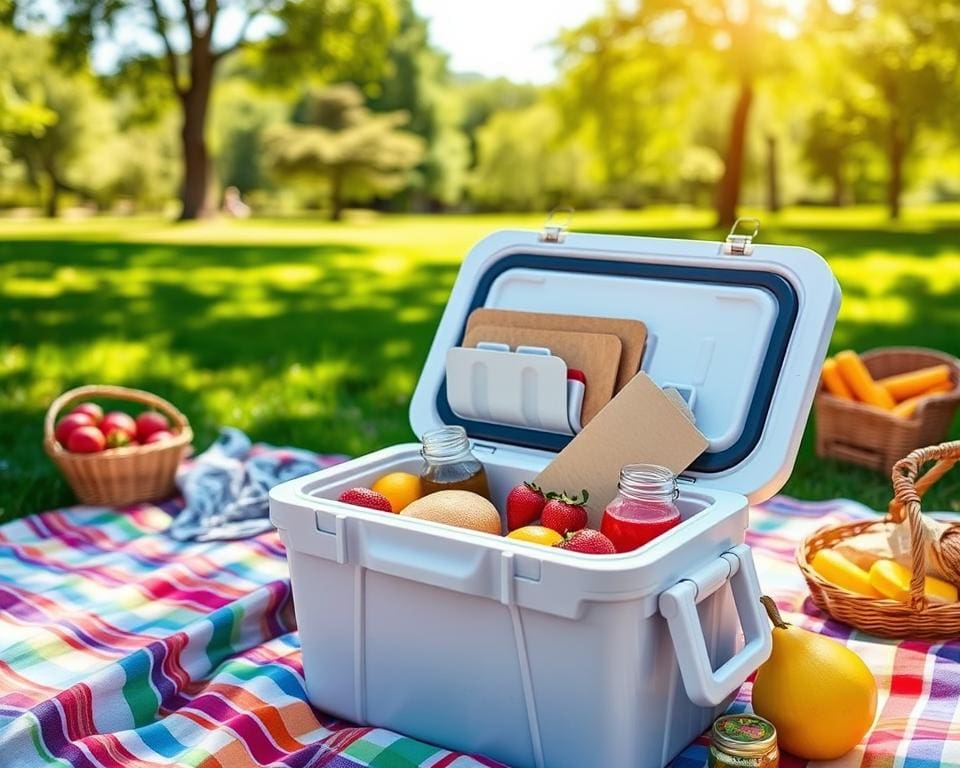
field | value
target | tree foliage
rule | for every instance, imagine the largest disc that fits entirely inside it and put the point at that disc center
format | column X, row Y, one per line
column 68, row 146
column 317, row 34
column 337, row 140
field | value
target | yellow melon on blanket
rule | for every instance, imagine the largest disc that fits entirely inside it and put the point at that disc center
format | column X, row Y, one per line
column 819, row 694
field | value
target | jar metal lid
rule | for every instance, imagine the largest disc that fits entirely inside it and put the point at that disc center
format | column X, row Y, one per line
column 744, row 735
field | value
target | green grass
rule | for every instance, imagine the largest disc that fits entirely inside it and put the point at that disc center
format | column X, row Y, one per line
column 313, row 334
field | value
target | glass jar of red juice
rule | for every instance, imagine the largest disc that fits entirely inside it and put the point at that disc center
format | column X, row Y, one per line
column 644, row 508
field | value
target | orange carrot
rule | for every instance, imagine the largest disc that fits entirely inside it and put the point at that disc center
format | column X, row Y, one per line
column 833, row 381
column 908, row 407
column 907, row 385
column 861, row 383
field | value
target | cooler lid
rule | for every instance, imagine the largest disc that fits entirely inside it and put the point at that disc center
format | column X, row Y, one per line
column 746, row 326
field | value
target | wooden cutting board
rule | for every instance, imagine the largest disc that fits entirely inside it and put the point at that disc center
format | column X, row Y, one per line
column 632, row 333
column 596, row 354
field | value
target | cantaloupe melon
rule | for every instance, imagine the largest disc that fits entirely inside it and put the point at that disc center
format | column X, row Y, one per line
column 462, row 509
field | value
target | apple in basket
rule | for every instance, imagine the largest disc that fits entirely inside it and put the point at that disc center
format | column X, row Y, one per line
column 70, row 423
column 118, row 420
column 86, row 439
column 150, row 423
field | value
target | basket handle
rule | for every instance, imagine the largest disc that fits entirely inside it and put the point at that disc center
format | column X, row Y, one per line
column 179, row 421
column 908, row 490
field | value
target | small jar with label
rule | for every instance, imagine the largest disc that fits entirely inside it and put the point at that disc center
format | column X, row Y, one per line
column 644, row 508
column 449, row 464
column 743, row 741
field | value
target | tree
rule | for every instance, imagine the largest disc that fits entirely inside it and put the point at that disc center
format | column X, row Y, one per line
column 416, row 80
column 68, row 149
column 334, row 137
column 21, row 110
column 905, row 54
column 312, row 34
column 617, row 94
column 525, row 162
column 733, row 42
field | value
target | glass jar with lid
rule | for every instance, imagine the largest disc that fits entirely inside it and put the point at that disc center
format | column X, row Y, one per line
column 644, row 508
column 449, row 464
column 743, row 741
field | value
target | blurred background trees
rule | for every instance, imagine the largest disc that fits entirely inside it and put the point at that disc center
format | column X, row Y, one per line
column 339, row 145
column 699, row 102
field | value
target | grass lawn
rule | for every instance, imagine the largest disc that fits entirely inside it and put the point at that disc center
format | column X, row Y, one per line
column 313, row 334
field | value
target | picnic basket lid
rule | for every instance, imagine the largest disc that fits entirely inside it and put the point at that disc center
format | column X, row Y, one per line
column 747, row 327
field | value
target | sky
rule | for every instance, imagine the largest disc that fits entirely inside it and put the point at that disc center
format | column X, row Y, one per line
column 503, row 37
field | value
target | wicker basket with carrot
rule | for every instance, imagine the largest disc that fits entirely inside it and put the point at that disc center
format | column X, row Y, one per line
column 874, row 408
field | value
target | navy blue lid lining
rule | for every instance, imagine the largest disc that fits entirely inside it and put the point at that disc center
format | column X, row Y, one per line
column 778, row 287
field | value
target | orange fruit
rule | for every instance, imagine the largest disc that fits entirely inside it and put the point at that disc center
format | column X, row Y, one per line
column 537, row 534
column 399, row 488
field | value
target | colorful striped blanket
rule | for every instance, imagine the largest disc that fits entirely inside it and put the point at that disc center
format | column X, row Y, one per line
column 121, row 646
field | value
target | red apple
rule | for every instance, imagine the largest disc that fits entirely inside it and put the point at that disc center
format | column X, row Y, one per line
column 118, row 420
column 149, row 422
column 70, row 422
column 86, row 439
column 118, row 438
column 93, row 410
column 158, row 437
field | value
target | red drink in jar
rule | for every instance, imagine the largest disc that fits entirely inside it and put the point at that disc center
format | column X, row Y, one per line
column 644, row 508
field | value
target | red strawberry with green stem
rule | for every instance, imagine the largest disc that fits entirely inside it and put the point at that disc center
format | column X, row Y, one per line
column 565, row 513
column 589, row 542
column 524, row 505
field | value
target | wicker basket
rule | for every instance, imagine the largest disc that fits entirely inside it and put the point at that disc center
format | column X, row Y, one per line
column 880, row 616
column 873, row 438
column 119, row 476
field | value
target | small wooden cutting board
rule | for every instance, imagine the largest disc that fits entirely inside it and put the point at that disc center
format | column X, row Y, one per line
column 596, row 354
column 632, row 333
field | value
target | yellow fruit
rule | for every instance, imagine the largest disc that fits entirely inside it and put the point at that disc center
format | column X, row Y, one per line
column 836, row 569
column 893, row 580
column 399, row 488
column 537, row 534
column 463, row 509
column 818, row 693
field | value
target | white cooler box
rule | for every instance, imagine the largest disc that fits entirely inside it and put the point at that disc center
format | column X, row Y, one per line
column 536, row 656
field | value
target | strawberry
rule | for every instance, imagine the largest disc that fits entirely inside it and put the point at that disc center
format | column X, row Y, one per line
column 364, row 497
column 565, row 513
column 588, row 541
column 524, row 505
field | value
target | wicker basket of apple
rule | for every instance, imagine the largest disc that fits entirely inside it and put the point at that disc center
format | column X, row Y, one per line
column 116, row 458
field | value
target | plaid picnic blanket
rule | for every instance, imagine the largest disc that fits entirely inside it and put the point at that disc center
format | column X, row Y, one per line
column 121, row 646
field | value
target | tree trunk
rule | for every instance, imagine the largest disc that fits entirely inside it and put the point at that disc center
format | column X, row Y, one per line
column 773, row 180
column 336, row 196
column 897, row 150
column 839, row 185
column 51, row 206
column 196, row 162
column 728, row 188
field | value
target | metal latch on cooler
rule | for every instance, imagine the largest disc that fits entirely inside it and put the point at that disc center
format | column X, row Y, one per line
column 557, row 223
column 741, row 243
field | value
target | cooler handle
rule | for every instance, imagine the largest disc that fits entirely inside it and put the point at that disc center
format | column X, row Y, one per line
column 705, row 686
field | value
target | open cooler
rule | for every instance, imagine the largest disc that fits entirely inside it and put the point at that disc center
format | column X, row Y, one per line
column 537, row 656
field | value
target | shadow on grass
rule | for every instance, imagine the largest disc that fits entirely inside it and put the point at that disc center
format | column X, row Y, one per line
column 320, row 346
column 313, row 346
